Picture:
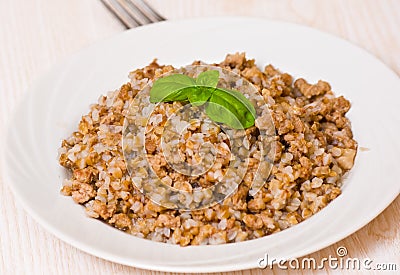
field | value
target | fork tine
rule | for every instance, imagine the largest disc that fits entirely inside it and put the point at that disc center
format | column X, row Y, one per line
column 147, row 10
column 120, row 12
column 135, row 12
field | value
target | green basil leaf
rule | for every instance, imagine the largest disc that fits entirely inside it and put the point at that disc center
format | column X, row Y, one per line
column 200, row 95
column 208, row 78
column 171, row 88
column 219, row 113
column 244, row 100
column 231, row 108
column 225, row 106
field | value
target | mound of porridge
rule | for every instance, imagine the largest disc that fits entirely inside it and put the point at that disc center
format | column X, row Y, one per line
column 313, row 149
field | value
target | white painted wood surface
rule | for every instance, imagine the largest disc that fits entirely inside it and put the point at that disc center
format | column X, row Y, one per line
column 34, row 35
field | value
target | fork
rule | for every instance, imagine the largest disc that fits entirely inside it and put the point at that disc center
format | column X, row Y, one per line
column 133, row 13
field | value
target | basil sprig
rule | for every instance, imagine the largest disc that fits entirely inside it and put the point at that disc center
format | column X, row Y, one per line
column 221, row 105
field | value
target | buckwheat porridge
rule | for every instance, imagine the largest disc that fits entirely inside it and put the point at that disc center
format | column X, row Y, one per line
column 298, row 150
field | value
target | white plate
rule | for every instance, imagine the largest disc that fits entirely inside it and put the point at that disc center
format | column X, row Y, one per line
column 52, row 108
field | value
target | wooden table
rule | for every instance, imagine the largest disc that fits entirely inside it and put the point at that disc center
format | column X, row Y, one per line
column 34, row 35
